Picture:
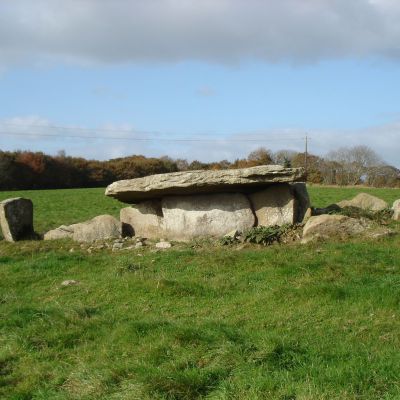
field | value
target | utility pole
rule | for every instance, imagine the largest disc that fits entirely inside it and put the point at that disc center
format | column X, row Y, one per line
column 306, row 156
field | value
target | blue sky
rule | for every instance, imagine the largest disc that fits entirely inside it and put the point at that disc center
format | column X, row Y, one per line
column 214, row 83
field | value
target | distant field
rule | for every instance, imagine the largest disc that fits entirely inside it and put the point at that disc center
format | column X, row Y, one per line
column 53, row 208
column 322, row 196
column 198, row 321
column 57, row 207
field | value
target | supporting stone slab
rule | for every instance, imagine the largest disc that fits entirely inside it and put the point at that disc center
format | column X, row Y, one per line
column 302, row 200
column 143, row 220
column 215, row 215
column 274, row 205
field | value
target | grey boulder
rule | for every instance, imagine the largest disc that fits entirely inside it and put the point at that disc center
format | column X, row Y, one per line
column 62, row 232
column 324, row 227
column 365, row 201
column 101, row 227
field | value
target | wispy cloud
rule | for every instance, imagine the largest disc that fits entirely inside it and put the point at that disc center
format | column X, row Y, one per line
column 111, row 141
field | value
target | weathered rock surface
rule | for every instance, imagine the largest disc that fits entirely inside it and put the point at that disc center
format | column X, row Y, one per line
column 16, row 219
column 200, row 182
column 188, row 217
column 380, row 233
column 274, row 205
column 307, row 215
column 99, row 228
column 332, row 226
column 62, row 232
column 366, row 202
column 144, row 220
column 396, row 210
column 302, row 200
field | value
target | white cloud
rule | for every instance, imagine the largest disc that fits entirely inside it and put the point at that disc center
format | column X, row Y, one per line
column 90, row 143
column 119, row 31
column 383, row 139
column 15, row 127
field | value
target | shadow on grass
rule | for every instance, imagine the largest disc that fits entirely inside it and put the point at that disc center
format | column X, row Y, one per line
column 194, row 361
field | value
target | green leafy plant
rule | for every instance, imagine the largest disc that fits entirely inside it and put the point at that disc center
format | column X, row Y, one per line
column 356, row 212
column 227, row 240
column 265, row 235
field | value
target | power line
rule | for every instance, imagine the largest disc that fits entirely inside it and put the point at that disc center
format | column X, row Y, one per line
column 133, row 131
column 225, row 139
column 60, row 127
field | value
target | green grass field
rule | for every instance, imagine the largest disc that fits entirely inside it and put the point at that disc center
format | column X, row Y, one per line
column 63, row 207
column 53, row 208
column 287, row 322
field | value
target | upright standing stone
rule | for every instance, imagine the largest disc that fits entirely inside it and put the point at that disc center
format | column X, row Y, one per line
column 16, row 219
column 143, row 220
column 274, row 205
column 302, row 200
column 215, row 215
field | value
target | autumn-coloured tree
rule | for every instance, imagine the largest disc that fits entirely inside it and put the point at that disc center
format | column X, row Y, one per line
column 30, row 170
column 260, row 156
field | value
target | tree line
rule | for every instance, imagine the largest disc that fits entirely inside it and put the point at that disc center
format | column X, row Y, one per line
column 36, row 170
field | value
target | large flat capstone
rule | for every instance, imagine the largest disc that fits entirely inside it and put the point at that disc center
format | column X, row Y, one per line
column 201, row 182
